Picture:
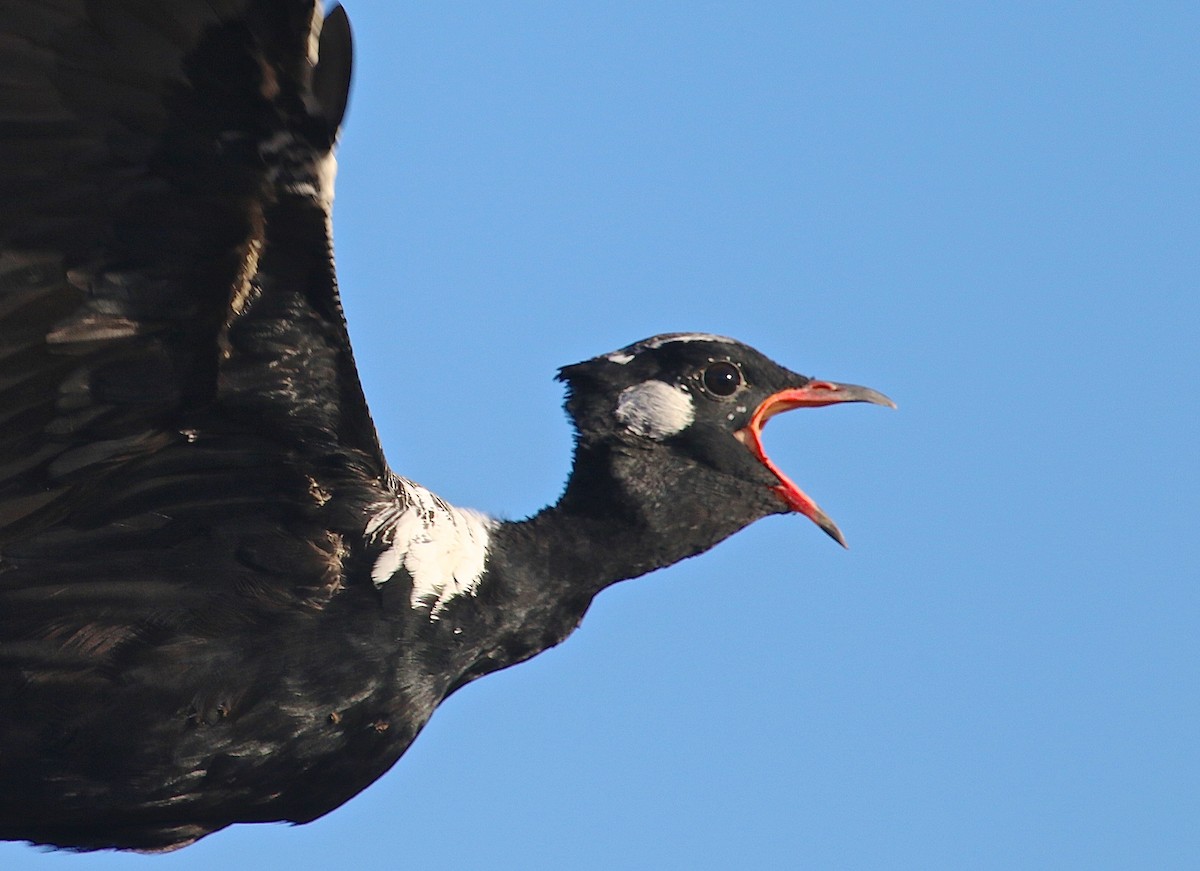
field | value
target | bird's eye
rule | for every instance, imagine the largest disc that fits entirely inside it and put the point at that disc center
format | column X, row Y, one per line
column 722, row 378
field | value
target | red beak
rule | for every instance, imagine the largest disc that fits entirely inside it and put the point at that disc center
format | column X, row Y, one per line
column 811, row 395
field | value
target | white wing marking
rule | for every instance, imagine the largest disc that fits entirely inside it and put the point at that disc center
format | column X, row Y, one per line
column 441, row 547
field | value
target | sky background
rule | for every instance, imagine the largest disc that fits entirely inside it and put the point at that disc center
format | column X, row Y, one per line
column 990, row 212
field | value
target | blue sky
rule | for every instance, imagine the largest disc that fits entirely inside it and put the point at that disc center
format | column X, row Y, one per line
column 988, row 211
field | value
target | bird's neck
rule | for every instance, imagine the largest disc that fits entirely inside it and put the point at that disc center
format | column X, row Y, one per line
column 543, row 572
column 614, row 521
column 561, row 554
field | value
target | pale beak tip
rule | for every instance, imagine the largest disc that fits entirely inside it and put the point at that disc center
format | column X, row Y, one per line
column 831, row 529
column 877, row 398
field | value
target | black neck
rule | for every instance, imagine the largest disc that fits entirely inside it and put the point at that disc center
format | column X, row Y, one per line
column 543, row 572
column 615, row 521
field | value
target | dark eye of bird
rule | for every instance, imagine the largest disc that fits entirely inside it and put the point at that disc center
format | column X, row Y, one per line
column 722, row 378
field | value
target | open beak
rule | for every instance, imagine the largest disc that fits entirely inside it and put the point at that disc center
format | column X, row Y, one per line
column 811, row 395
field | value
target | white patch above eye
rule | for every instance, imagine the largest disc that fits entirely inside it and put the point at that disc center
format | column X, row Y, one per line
column 655, row 409
column 625, row 355
column 443, row 548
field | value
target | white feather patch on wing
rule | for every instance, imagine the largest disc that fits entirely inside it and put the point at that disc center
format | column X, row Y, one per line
column 655, row 409
column 314, row 33
column 297, row 169
column 441, row 547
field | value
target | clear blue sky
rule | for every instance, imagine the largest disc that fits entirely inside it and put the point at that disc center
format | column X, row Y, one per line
column 989, row 211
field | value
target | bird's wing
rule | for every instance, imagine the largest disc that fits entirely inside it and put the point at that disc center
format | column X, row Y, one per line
column 183, row 437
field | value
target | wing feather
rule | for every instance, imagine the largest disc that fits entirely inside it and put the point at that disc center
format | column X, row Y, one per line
column 183, row 437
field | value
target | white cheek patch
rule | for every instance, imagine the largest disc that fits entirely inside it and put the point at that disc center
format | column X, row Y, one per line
column 442, row 548
column 655, row 410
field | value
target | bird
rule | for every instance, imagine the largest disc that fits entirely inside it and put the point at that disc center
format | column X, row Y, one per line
column 218, row 603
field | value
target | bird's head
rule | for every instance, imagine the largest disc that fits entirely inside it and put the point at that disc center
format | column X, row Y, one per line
column 670, row 429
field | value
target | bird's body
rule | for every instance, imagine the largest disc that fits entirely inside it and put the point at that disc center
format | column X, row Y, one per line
column 217, row 602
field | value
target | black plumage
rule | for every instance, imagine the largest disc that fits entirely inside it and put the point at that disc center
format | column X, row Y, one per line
column 217, row 603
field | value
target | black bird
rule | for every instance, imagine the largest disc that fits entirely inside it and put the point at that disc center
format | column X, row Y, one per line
column 217, row 602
